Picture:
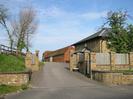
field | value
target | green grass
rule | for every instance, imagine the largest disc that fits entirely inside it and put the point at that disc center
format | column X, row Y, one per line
column 10, row 63
column 126, row 71
column 4, row 89
column 130, row 71
column 41, row 63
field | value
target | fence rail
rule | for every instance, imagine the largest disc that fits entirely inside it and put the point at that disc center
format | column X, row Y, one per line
column 8, row 50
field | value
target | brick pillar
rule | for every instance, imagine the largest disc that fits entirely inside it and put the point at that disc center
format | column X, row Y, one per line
column 37, row 58
column 131, row 59
column 112, row 60
column 37, row 53
column 93, row 60
column 28, row 60
column 72, row 60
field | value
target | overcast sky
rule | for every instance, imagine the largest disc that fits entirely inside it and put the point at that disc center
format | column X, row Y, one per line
column 63, row 22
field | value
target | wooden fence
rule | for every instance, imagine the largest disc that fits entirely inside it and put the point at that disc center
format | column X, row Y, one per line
column 101, row 61
column 10, row 51
column 103, row 58
column 113, row 61
column 118, row 58
column 121, row 58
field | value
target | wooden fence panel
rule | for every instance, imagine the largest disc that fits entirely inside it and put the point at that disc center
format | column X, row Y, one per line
column 7, row 50
column 121, row 58
column 102, row 58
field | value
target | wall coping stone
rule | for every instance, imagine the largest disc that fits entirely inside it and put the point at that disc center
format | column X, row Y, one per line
column 113, row 72
column 20, row 72
column 124, row 73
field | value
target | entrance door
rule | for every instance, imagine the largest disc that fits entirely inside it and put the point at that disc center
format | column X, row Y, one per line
column 88, row 66
column 51, row 59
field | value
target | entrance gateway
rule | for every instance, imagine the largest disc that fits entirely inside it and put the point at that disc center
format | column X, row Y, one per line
column 83, row 61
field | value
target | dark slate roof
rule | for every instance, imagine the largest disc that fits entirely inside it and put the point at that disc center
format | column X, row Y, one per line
column 102, row 33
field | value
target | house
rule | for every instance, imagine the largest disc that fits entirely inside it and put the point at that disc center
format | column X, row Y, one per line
column 96, row 42
column 60, row 55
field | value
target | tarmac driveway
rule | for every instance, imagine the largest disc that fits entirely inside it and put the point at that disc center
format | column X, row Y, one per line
column 55, row 81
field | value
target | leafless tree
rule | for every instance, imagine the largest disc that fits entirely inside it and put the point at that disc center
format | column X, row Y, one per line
column 4, row 22
column 25, row 27
column 21, row 29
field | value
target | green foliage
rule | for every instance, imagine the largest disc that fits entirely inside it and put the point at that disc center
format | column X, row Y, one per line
column 24, row 87
column 41, row 63
column 4, row 89
column 120, row 35
column 21, row 45
column 130, row 36
column 10, row 63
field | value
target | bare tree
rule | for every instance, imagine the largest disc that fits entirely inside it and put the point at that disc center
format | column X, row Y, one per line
column 25, row 27
column 21, row 29
column 4, row 22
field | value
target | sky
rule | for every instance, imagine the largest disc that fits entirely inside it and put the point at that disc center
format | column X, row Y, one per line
column 64, row 22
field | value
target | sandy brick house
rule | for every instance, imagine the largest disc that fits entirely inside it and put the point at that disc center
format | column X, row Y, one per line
column 97, row 42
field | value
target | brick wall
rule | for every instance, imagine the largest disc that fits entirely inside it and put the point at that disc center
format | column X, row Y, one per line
column 112, row 66
column 67, row 54
column 15, row 79
column 103, row 46
column 113, row 78
column 96, row 45
column 32, row 61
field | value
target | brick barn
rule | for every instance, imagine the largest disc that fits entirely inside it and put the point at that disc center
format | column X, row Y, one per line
column 97, row 42
column 60, row 55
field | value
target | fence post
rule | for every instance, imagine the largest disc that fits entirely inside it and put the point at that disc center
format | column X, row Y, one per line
column 130, row 60
column 72, row 60
column 112, row 61
column 93, row 60
column 92, row 63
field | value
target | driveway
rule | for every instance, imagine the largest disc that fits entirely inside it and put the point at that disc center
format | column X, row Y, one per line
column 55, row 81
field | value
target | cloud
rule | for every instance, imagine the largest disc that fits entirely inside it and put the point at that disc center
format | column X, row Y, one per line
column 54, row 12
column 94, row 15
column 57, row 12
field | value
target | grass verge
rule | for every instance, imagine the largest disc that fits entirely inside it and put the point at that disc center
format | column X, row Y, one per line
column 4, row 89
column 10, row 63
